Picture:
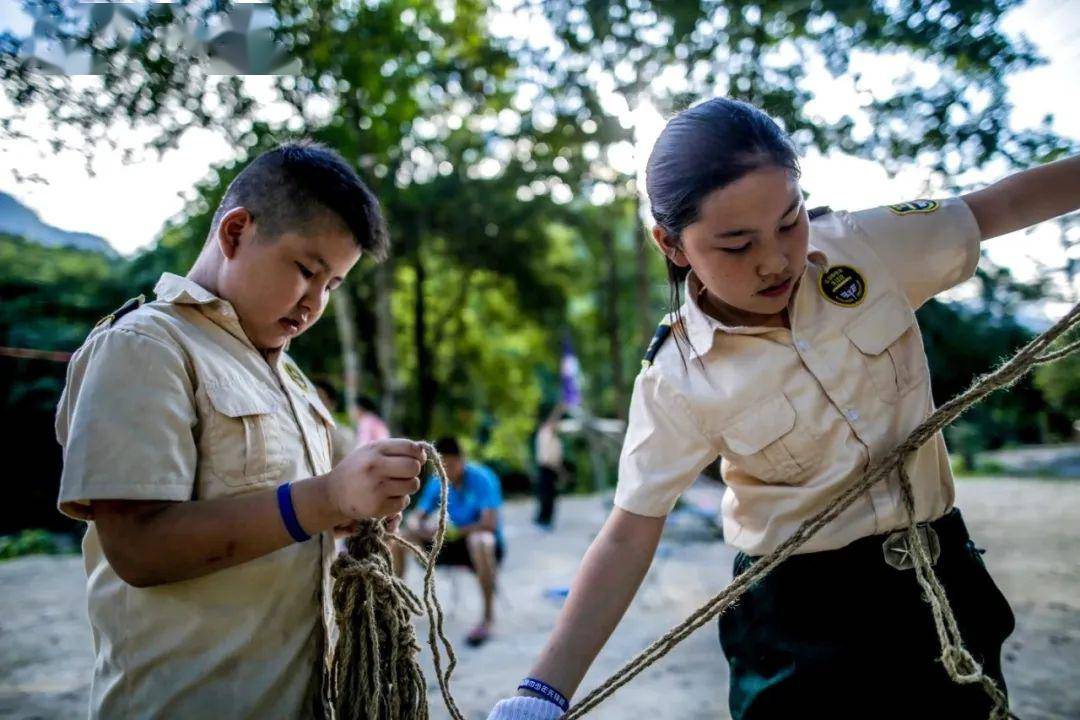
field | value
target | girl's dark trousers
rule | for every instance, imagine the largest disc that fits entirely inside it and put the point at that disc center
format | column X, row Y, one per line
column 845, row 634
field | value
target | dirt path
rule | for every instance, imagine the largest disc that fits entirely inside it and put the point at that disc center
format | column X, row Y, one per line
column 1031, row 529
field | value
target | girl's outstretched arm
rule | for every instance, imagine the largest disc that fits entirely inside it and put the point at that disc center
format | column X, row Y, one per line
column 1027, row 198
column 606, row 582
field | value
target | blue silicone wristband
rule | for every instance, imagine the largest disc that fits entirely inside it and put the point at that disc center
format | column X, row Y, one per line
column 545, row 691
column 288, row 513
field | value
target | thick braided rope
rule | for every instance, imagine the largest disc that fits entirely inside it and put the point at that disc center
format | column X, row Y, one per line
column 961, row 666
column 1008, row 373
column 374, row 674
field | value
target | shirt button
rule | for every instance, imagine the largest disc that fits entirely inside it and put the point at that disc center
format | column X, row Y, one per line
column 852, row 414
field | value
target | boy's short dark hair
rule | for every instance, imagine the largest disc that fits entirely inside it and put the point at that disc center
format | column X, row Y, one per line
column 367, row 403
column 448, row 446
column 284, row 189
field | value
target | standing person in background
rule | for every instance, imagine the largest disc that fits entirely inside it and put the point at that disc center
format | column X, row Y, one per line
column 369, row 426
column 549, row 466
column 343, row 436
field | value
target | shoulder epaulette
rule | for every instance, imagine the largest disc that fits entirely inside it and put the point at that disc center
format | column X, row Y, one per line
column 133, row 304
column 658, row 338
column 817, row 212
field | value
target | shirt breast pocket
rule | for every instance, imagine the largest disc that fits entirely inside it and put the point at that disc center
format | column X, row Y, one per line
column 767, row 442
column 241, row 439
column 887, row 341
column 324, row 422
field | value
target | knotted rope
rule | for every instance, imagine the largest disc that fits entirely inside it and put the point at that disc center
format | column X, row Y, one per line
column 375, row 674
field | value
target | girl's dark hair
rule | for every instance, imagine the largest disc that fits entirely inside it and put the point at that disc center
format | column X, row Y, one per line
column 702, row 149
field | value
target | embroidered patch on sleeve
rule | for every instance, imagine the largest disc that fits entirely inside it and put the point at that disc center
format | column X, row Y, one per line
column 915, row 206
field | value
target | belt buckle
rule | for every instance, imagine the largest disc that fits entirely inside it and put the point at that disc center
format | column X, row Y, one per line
column 900, row 556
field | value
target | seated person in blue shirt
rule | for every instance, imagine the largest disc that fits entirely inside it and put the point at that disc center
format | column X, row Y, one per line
column 473, row 533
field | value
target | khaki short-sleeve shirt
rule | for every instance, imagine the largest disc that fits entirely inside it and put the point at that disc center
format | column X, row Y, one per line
column 173, row 402
column 798, row 414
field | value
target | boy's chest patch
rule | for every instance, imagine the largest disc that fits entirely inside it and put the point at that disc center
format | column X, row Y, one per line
column 296, row 376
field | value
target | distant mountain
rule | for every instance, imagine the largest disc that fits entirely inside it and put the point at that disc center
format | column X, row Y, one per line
column 19, row 220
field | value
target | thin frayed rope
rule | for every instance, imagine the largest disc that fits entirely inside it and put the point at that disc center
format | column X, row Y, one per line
column 374, row 608
column 1034, row 353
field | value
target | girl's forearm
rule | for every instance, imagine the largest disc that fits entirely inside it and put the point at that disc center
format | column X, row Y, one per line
column 1027, row 198
column 608, row 579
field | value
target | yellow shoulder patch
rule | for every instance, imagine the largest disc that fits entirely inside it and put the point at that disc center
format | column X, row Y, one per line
column 914, row 206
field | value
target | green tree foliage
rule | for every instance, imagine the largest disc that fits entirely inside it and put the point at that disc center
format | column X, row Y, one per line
column 512, row 226
column 1060, row 385
column 51, row 299
column 953, row 116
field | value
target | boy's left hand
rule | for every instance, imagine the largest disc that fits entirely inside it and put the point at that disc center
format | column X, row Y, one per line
column 391, row 524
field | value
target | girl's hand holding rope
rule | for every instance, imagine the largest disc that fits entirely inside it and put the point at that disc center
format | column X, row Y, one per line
column 525, row 708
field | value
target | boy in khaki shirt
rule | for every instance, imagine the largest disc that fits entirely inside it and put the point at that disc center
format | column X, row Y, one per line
column 200, row 456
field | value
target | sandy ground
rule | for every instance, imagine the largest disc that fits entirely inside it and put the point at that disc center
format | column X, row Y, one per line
column 1031, row 529
column 1061, row 460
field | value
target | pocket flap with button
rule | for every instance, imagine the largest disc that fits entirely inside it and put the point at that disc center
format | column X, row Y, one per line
column 240, row 440
column 880, row 325
column 233, row 402
column 764, row 423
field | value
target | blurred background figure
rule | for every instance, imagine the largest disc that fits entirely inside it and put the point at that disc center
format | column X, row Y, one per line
column 369, row 426
column 549, row 466
column 344, row 436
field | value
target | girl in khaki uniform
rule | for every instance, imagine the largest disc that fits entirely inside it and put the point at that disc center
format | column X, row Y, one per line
column 796, row 358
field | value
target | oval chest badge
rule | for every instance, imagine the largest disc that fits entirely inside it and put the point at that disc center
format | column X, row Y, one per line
column 842, row 285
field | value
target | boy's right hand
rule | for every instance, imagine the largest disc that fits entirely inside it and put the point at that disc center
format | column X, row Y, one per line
column 376, row 480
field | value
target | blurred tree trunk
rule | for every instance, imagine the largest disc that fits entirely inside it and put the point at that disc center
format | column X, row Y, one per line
column 345, row 319
column 384, row 343
column 611, row 312
column 645, row 320
column 425, row 380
